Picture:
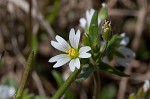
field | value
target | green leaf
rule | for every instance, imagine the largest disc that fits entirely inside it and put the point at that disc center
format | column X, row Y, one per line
column 112, row 70
column 87, row 70
column 93, row 30
column 25, row 75
column 113, row 42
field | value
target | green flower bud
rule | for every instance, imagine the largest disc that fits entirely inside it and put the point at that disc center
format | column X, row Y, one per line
column 103, row 12
column 107, row 31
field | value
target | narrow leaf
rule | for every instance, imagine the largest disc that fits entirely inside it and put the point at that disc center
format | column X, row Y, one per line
column 93, row 30
column 112, row 70
column 25, row 75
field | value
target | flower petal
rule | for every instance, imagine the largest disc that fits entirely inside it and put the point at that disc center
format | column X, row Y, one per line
column 71, row 37
column 77, row 63
column 62, row 42
column 62, row 61
column 85, row 55
column 58, row 57
column 58, row 46
column 82, row 22
column 84, row 49
column 77, row 39
column 72, row 65
column 89, row 14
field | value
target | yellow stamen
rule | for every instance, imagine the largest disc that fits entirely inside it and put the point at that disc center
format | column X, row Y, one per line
column 71, row 52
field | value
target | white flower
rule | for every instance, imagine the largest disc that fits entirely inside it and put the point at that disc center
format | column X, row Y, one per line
column 146, row 85
column 86, row 21
column 72, row 53
column 6, row 92
column 128, row 56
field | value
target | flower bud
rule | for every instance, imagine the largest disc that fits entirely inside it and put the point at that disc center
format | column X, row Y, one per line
column 107, row 31
column 103, row 12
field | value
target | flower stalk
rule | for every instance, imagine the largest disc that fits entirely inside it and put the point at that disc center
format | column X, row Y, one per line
column 67, row 83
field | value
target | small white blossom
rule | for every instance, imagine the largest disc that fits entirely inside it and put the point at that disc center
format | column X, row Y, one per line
column 6, row 92
column 86, row 21
column 71, row 52
column 146, row 85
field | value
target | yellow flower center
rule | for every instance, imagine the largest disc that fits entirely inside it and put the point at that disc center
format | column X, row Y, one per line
column 71, row 52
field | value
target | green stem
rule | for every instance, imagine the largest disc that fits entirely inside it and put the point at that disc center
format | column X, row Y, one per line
column 25, row 75
column 104, row 49
column 97, row 78
column 65, row 86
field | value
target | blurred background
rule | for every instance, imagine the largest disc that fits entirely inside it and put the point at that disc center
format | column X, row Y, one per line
column 27, row 25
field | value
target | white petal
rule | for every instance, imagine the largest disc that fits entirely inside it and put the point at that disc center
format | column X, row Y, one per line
column 62, row 42
column 72, row 65
column 77, row 63
column 58, row 57
column 62, row 61
column 82, row 22
column 84, row 49
column 89, row 14
column 88, row 17
column 58, row 46
column 71, row 37
column 77, row 39
column 85, row 55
